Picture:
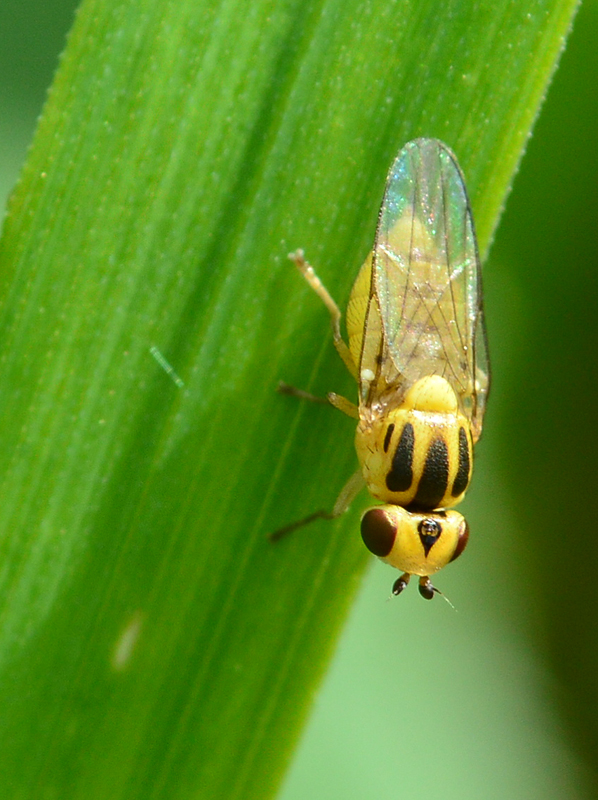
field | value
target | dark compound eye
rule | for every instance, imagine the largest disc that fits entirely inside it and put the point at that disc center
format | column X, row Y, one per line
column 378, row 532
column 463, row 539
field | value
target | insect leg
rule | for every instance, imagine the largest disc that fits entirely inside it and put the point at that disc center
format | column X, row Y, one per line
column 348, row 493
column 281, row 532
column 344, row 405
column 336, row 400
column 293, row 391
column 305, row 268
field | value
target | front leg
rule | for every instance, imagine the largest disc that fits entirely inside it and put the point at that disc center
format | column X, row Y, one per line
column 336, row 400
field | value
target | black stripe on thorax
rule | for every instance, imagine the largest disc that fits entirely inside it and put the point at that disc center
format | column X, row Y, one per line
column 400, row 477
column 434, row 479
column 462, row 476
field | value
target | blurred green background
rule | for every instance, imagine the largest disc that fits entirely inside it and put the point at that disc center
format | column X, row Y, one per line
column 499, row 698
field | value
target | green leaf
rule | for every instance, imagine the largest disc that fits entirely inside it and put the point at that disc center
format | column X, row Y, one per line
column 153, row 642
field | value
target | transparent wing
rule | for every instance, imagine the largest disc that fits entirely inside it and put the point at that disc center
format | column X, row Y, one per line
column 424, row 313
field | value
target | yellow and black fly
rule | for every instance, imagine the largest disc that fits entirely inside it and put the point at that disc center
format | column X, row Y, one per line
column 417, row 349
